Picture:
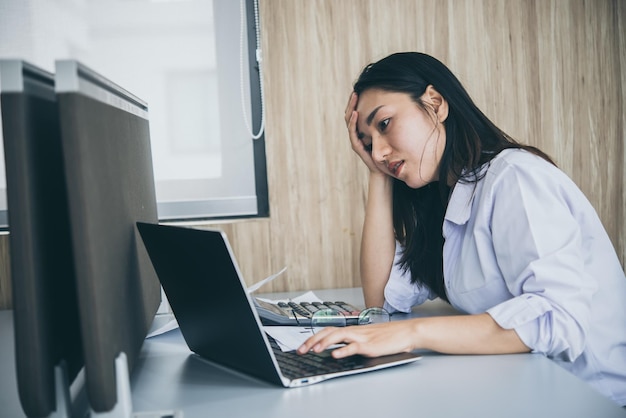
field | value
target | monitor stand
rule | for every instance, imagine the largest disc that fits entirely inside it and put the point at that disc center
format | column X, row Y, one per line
column 62, row 392
column 71, row 398
column 124, row 406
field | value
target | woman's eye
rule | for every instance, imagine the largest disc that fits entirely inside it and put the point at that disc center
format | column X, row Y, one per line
column 382, row 125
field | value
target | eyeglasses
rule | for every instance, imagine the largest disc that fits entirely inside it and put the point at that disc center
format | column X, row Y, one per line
column 330, row 317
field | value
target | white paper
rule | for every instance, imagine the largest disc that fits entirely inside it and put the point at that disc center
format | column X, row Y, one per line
column 268, row 279
column 168, row 326
column 305, row 297
column 289, row 338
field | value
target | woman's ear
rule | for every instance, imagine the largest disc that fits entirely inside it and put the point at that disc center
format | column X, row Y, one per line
column 437, row 102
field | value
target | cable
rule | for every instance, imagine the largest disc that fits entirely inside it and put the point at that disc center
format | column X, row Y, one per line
column 241, row 68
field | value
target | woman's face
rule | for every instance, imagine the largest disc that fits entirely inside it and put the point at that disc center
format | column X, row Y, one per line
column 406, row 141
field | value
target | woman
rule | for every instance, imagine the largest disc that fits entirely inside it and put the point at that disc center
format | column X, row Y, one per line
column 458, row 210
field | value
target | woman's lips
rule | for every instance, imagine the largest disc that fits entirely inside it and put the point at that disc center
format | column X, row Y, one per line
column 395, row 167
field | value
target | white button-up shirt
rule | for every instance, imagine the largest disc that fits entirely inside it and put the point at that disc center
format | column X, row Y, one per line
column 525, row 245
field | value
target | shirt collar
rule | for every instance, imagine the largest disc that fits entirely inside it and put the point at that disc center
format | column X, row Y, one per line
column 460, row 204
column 462, row 196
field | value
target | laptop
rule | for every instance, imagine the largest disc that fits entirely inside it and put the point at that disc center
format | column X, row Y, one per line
column 218, row 318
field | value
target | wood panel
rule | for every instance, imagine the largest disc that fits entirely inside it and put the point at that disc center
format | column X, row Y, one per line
column 550, row 73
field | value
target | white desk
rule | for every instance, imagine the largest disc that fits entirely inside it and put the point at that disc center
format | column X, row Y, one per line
column 169, row 376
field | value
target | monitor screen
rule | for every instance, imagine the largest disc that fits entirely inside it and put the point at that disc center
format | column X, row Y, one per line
column 45, row 312
column 110, row 186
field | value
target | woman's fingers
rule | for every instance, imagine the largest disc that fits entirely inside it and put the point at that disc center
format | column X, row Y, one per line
column 346, row 351
column 351, row 107
column 367, row 340
column 357, row 144
column 313, row 343
column 328, row 337
column 351, row 117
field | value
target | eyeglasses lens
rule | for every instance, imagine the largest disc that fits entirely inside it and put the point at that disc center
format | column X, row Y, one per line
column 373, row 316
column 327, row 318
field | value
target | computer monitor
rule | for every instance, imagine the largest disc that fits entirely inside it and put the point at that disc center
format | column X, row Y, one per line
column 45, row 311
column 110, row 186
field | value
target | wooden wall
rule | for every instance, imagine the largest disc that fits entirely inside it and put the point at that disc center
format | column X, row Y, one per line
column 551, row 73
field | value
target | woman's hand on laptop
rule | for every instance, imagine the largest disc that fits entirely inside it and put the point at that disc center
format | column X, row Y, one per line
column 368, row 340
column 457, row 334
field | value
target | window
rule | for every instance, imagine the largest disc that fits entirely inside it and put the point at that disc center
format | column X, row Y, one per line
column 191, row 62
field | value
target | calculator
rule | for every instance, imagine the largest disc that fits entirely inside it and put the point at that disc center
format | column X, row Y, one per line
column 300, row 313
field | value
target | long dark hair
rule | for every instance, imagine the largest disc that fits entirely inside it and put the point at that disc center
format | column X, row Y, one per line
column 472, row 140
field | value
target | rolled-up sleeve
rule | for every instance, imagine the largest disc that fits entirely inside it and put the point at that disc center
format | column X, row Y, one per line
column 400, row 294
column 538, row 247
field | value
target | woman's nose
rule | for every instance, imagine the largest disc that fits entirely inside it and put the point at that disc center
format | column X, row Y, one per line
column 380, row 150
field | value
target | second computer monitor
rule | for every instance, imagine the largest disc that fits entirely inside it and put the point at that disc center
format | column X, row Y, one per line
column 110, row 186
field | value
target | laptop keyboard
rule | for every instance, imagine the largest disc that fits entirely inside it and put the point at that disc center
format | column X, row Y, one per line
column 313, row 364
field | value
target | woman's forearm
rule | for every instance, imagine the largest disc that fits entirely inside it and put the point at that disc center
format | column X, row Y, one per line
column 378, row 240
column 465, row 334
column 462, row 334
